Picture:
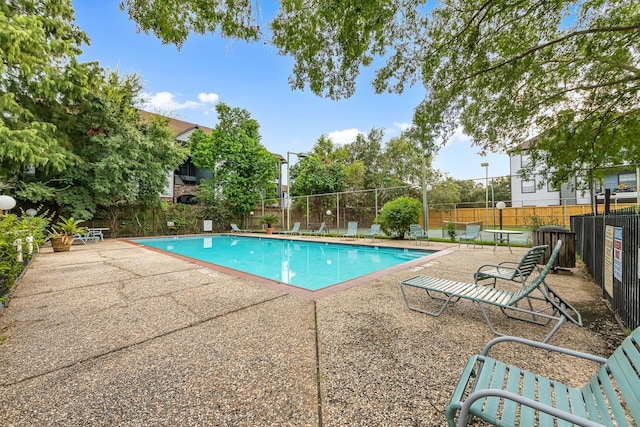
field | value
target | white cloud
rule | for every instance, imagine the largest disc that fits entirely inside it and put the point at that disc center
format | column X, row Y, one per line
column 165, row 101
column 402, row 126
column 459, row 137
column 210, row 98
column 345, row 136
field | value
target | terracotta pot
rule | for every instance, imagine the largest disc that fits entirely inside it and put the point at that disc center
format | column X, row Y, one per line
column 61, row 244
column 270, row 230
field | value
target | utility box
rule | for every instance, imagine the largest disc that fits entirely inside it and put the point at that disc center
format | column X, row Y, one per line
column 549, row 235
column 207, row 226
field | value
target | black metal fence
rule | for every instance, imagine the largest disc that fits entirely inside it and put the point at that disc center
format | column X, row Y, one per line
column 594, row 246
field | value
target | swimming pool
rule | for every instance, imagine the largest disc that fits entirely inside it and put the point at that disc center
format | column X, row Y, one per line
column 308, row 265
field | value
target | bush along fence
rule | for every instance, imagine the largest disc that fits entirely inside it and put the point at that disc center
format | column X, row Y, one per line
column 610, row 248
column 20, row 238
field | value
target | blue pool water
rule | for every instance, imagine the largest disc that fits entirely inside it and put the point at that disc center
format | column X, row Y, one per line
column 309, row 265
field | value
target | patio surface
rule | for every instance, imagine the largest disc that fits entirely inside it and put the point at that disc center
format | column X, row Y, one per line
column 117, row 334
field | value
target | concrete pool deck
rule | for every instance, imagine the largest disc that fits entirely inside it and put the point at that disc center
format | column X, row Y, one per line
column 118, row 334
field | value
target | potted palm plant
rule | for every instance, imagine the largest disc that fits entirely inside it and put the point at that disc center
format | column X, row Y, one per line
column 269, row 220
column 62, row 235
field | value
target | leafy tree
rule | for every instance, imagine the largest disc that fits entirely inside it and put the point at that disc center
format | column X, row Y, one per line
column 243, row 170
column 71, row 136
column 444, row 194
column 471, row 191
column 119, row 159
column 368, row 151
column 565, row 70
column 401, row 161
column 322, row 172
column 502, row 189
column 41, row 81
column 397, row 215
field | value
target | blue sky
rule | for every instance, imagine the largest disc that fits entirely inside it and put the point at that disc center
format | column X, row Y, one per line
column 187, row 83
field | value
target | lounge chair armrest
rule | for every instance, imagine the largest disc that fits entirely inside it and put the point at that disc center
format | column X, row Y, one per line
column 497, row 267
column 507, row 262
column 544, row 346
column 555, row 412
column 502, row 270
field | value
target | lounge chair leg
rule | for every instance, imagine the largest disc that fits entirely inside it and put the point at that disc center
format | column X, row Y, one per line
column 414, row 308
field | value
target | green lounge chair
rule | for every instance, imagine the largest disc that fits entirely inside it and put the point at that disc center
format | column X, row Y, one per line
column 550, row 306
column 506, row 395
column 375, row 230
column 320, row 231
column 352, row 230
column 416, row 232
column 471, row 234
column 512, row 271
column 294, row 230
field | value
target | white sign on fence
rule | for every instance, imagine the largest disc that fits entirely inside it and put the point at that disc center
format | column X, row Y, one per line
column 608, row 260
column 617, row 253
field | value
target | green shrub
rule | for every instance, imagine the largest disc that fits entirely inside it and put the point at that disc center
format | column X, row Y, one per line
column 451, row 231
column 269, row 220
column 533, row 222
column 397, row 215
column 13, row 228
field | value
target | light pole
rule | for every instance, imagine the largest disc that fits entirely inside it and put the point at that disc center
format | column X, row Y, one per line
column 485, row 165
column 500, row 206
column 288, row 200
column 425, row 204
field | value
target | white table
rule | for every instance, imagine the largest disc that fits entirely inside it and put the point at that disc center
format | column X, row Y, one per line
column 498, row 236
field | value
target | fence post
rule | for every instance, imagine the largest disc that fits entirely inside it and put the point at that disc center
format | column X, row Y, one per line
column 18, row 244
column 29, row 240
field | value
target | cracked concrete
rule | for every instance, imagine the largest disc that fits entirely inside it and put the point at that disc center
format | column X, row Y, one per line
column 116, row 334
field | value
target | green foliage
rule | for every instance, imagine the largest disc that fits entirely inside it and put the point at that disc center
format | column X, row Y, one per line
column 366, row 152
column 443, row 195
column 502, row 188
column 471, row 191
column 173, row 21
column 68, row 226
column 533, row 222
column 452, row 231
column 184, row 217
column 398, row 215
column 269, row 220
column 219, row 214
column 41, row 82
column 124, row 158
column 244, row 171
column 499, row 70
column 322, row 172
column 402, row 161
column 11, row 229
column 75, row 124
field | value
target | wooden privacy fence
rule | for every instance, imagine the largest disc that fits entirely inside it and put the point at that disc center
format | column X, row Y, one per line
column 512, row 217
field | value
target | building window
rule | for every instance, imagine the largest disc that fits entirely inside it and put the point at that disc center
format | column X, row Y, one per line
column 187, row 172
column 551, row 188
column 627, row 181
column 529, row 186
column 525, row 160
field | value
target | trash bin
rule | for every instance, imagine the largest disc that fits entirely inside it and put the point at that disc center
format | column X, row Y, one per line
column 549, row 235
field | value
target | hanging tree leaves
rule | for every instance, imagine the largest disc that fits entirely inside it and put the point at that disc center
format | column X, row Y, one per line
column 502, row 70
